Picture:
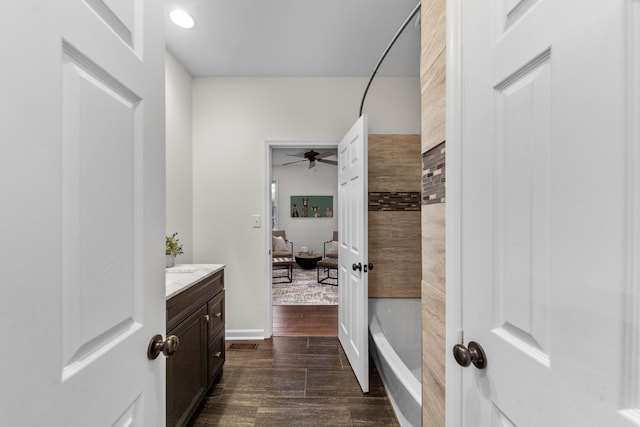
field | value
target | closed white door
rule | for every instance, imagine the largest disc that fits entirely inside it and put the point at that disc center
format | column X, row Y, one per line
column 353, row 292
column 82, row 149
column 548, row 189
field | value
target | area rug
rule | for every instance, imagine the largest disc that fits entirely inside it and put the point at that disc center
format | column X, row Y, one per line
column 304, row 290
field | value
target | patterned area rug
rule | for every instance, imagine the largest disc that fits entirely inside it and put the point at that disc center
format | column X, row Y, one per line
column 304, row 290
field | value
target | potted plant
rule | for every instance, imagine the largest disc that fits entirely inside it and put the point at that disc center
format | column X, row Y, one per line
column 173, row 249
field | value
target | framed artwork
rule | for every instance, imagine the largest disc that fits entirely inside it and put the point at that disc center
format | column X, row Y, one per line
column 311, row 206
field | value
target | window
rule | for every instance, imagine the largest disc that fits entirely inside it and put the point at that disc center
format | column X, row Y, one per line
column 274, row 205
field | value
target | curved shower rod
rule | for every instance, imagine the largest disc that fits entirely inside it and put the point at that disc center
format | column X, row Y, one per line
column 375, row 70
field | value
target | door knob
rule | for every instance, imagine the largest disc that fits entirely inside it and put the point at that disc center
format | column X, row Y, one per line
column 474, row 353
column 368, row 266
column 167, row 347
column 357, row 266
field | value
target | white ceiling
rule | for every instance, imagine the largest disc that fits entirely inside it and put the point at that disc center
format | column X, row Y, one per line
column 295, row 38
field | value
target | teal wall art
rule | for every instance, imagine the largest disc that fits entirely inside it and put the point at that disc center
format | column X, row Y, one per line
column 311, row 206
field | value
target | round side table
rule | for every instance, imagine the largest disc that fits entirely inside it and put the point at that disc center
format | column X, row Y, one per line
column 307, row 261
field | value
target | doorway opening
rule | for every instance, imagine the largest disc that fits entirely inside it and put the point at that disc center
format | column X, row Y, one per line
column 301, row 201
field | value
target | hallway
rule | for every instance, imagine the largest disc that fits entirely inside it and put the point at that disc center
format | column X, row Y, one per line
column 305, row 320
column 293, row 381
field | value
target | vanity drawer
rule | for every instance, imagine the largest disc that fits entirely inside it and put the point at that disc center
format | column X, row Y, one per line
column 215, row 308
column 216, row 356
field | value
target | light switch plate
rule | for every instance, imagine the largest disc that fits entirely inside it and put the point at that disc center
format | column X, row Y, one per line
column 256, row 221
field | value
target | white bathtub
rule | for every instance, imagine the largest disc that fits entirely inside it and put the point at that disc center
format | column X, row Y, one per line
column 395, row 345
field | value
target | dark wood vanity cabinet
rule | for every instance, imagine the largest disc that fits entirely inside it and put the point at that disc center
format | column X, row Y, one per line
column 196, row 317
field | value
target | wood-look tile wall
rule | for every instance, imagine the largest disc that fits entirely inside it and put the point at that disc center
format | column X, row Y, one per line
column 395, row 173
column 432, row 83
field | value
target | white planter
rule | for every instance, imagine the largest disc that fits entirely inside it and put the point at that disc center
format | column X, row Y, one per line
column 170, row 261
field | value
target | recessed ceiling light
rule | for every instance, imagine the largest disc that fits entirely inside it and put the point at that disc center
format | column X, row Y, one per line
column 182, row 19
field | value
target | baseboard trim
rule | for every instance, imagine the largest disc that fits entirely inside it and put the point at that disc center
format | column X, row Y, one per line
column 244, row 334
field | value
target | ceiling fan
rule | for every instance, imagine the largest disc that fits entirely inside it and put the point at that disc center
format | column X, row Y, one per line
column 313, row 156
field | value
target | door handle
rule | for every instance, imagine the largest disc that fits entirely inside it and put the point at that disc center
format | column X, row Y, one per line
column 167, row 347
column 359, row 266
column 474, row 353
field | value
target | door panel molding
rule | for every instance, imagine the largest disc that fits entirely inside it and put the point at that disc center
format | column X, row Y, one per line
column 522, row 181
column 631, row 363
column 101, row 217
column 120, row 17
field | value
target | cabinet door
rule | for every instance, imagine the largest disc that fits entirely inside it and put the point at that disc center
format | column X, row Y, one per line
column 187, row 369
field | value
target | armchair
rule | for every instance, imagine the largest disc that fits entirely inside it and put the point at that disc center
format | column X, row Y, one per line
column 280, row 246
column 331, row 247
column 281, row 255
column 329, row 261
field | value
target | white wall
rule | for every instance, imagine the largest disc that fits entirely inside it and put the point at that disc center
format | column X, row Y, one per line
column 299, row 180
column 232, row 119
column 179, row 156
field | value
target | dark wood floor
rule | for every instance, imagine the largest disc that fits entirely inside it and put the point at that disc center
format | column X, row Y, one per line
column 305, row 320
column 293, row 381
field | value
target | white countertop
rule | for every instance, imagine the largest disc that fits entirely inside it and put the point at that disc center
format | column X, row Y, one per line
column 182, row 276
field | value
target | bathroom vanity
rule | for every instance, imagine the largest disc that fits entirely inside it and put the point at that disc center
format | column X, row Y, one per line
column 195, row 314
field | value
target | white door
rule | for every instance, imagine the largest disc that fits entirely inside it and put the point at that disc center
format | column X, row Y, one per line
column 353, row 292
column 548, row 218
column 82, row 151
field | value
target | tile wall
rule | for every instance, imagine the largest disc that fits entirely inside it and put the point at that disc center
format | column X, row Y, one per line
column 394, row 215
column 432, row 83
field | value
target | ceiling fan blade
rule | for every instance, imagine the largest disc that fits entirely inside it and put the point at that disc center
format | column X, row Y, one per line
column 331, row 162
column 297, row 161
column 325, row 154
column 297, row 155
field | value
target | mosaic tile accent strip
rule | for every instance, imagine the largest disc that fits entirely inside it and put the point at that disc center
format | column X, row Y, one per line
column 433, row 175
column 394, row 201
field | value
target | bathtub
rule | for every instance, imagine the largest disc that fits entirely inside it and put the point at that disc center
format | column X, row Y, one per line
column 395, row 345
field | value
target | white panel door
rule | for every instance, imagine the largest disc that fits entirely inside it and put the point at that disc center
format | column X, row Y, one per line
column 549, row 193
column 82, row 148
column 353, row 292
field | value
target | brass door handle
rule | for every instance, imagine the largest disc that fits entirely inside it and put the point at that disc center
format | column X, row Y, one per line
column 474, row 353
column 167, row 347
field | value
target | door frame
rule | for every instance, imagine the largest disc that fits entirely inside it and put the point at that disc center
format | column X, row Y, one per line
column 453, row 321
column 268, row 146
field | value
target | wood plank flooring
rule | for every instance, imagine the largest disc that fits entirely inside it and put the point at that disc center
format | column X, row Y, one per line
column 293, row 381
column 305, row 320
